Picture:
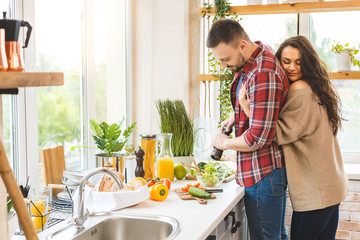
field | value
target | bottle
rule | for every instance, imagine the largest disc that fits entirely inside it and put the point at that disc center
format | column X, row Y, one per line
column 148, row 143
column 216, row 153
column 139, row 170
column 165, row 160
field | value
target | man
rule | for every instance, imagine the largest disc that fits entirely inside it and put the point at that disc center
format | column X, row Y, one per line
column 260, row 161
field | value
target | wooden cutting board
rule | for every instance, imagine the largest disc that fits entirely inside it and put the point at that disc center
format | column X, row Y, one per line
column 54, row 165
column 187, row 196
column 228, row 179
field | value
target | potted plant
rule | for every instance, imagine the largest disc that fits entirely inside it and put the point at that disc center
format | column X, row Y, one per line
column 174, row 119
column 108, row 138
column 344, row 56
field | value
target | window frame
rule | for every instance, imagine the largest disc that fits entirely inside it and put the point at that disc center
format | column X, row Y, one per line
column 27, row 97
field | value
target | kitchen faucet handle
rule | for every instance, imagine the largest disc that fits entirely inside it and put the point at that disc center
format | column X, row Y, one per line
column 78, row 221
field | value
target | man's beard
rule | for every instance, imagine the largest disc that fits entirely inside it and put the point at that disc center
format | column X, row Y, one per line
column 240, row 64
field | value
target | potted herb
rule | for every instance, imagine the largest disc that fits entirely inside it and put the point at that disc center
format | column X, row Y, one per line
column 174, row 119
column 344, row 56
column 108, row 138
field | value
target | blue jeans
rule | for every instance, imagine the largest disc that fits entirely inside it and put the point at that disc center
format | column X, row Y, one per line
column 265, row 205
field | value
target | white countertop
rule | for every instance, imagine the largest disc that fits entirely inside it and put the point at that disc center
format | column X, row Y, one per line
column 190, row 214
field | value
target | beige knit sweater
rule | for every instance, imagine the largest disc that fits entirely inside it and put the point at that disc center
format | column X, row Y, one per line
column 314, row 166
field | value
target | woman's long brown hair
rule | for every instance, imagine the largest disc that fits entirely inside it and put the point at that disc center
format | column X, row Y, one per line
column 315, row 74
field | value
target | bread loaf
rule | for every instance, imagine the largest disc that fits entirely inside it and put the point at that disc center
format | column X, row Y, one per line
column 107, row 184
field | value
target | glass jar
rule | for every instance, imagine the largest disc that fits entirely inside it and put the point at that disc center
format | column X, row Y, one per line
column 148, row 144
column 165, row 160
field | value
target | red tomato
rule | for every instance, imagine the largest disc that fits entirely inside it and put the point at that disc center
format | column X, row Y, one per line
column 166, row 181
column 150, row 183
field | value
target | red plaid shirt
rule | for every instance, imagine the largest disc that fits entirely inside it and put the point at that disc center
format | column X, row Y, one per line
column 266, row 86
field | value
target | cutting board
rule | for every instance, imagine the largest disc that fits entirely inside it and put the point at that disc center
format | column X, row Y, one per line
column 54, row 165
column 187, row 196
column 228, row 179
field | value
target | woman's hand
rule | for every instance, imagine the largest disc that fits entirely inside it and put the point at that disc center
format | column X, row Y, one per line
column 243, row 101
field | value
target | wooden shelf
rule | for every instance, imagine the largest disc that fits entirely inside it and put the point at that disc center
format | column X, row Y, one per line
column 28, row 79
column 285, row 8
column 333, row 76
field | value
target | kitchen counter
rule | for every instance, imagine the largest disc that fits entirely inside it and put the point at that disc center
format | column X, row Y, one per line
column 197, row 221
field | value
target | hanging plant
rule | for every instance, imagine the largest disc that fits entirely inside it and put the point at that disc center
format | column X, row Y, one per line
column 225, row 76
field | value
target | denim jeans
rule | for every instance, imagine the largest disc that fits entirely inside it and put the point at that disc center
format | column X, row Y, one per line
column 315, row 225
column 265, row 205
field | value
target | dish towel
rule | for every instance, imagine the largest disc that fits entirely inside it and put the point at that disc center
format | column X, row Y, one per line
column 108, row 201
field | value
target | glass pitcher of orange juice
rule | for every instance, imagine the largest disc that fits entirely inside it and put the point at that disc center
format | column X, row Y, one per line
column 164, row 160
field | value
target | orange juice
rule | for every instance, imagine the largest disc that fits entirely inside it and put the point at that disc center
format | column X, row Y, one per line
column 165, row 168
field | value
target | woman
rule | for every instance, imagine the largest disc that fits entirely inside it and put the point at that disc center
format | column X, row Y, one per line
column 307, row 127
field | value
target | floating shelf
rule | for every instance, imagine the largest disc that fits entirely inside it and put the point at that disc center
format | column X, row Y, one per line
column 30, row 79
column 286, row 8
column 333, row 76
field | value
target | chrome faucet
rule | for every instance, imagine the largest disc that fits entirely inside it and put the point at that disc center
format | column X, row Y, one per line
column 81, row 215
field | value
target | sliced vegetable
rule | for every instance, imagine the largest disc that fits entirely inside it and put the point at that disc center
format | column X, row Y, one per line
column 199, row 192
column 193, row 184
column 158, row 192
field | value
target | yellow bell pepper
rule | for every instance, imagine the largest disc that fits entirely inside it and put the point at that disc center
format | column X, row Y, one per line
column 159, row 192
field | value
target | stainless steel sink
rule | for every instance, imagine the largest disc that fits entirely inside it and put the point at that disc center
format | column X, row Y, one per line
column 129, row 227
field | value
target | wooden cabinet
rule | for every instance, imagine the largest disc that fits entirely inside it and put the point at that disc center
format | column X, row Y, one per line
column 233, row 226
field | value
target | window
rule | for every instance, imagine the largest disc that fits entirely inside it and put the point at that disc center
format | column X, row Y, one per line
column 270, row 29
column 80, row 39
column 325, row 28
column 59, row 49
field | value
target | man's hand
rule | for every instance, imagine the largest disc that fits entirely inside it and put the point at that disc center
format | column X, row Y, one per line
column 229, row 123
column 220, row 141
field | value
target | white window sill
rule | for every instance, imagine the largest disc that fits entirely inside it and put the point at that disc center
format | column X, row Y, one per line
column 352, row 170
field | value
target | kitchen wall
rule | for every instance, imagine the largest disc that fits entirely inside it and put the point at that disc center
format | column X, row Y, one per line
column 162, row 64
column 349, row 217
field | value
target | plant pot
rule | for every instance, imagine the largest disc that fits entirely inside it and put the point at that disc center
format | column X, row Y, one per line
column 184, row 159
column 254, row 2
column 117, row 161
column 343, row 62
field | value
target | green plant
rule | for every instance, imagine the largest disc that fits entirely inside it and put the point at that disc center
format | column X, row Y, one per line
column 338, row 48
column 222, row 10
column 107, row 137
column 174, row 119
